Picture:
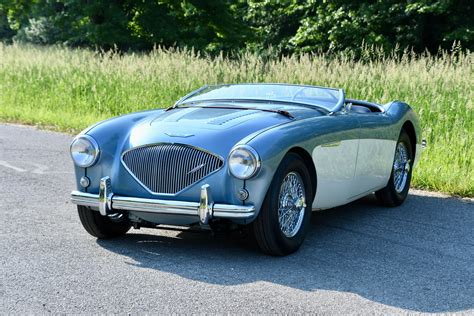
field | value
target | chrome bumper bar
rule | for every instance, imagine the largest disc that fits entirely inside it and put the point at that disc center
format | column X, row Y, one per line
column 108, row 203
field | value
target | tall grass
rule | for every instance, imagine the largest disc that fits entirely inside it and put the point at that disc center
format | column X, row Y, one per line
column 70, row 89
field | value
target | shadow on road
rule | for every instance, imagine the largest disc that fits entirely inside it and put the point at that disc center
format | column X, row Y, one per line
column 418, row 256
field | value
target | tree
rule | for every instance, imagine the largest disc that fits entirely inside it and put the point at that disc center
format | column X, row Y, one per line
column 205, row 25
column 422, row 24
column 6, row 32
column 288, row 26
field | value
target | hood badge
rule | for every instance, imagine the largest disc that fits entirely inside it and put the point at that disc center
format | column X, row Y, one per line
column 196, row 168
column 179, row 135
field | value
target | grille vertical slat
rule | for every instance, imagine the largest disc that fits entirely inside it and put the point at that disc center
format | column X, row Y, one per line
column 191, row 164
column 187, row 164
column 161, row 158
column 179, row 170
column 173, row 171
column 170, row 168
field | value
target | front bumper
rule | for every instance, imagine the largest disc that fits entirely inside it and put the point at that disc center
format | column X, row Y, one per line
column 109, row 203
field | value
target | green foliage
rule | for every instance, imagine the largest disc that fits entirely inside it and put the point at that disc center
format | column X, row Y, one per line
column 71, row 89
column 274, row 23
column 6, row 32
column 424, row 24
column 212, row 26
column 206, row 25
column 341, row 25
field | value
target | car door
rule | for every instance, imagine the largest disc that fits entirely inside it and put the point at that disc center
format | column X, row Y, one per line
column 375, row 152
column 335, row 157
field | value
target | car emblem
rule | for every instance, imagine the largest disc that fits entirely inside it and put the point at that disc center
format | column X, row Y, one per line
column 196, row 168
column 179, row 135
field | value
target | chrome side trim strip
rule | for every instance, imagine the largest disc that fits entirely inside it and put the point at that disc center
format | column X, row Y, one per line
column 332, row 144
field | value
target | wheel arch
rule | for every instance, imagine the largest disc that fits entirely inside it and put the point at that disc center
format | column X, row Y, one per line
column 308, row 161
column 409, row 128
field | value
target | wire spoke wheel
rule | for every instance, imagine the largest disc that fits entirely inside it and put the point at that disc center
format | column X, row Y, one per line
column 401, row 167
column 396, row 190
column 284, row 218
column 291, row 204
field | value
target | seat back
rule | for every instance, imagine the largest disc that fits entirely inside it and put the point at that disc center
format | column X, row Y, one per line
column 360, row 109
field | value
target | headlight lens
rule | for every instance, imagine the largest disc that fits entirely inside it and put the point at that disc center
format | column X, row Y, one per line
column 244, row 162
column 84, row 151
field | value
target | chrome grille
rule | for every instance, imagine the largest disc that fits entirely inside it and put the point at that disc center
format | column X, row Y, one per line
column 169, row 168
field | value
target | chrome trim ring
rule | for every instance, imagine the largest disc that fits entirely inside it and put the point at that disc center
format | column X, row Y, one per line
column 254, row 153
column 401, row 167
column 93, row 143
column 291, row 204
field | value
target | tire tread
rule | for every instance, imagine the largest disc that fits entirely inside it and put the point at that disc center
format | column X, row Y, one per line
column 267, row 237
column 100, row 226
column 388, row 196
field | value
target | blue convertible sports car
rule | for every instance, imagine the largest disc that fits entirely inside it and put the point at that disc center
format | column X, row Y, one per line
column 263, row 155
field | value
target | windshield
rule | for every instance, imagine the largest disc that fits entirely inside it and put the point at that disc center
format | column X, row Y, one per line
column 327, row 98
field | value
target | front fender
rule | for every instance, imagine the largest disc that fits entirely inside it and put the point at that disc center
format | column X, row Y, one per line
column 273, row 144
column 110, row 134
column 113, row 137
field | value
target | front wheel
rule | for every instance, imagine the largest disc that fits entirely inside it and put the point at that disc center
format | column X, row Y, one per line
column 102, row 227
column 281, row 225
column 398, row 185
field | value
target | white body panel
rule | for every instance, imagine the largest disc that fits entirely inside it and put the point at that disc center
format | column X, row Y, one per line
column 335, row 167
column 374, row 164
column 351, row 169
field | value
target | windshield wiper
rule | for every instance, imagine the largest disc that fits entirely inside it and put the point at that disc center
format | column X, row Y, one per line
column 281, row 112
column 286, row 102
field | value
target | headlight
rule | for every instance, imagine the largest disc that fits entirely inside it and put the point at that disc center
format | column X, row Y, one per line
column 84, row 151
column 244, row 162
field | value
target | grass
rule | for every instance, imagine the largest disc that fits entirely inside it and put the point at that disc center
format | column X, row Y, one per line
column 70, row 89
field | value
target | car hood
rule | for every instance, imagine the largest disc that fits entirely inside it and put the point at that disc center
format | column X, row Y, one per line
column 213, row 129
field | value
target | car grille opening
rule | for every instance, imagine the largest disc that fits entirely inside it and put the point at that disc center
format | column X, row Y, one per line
column 170, row 168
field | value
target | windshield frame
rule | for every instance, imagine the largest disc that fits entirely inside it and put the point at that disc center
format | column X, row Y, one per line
column 338, row 106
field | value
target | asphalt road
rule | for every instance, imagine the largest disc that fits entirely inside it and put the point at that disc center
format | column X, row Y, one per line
column 357, row 258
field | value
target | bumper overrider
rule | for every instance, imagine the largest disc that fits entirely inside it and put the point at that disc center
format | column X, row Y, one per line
column 109, row 203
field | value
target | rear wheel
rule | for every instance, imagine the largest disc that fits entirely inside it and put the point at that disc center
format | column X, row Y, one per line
column 398, row 185
column 281, row 225
column 102, row 227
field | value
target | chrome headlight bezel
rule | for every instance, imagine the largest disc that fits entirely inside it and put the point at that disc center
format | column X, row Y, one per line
column 92, row 143
column 251, row 155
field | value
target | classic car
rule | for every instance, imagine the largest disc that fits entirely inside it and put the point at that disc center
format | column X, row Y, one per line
column 257, row 155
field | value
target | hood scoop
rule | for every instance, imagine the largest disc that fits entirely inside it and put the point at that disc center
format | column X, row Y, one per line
column 215, row 130
column 206, row 116
column 233, row 116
